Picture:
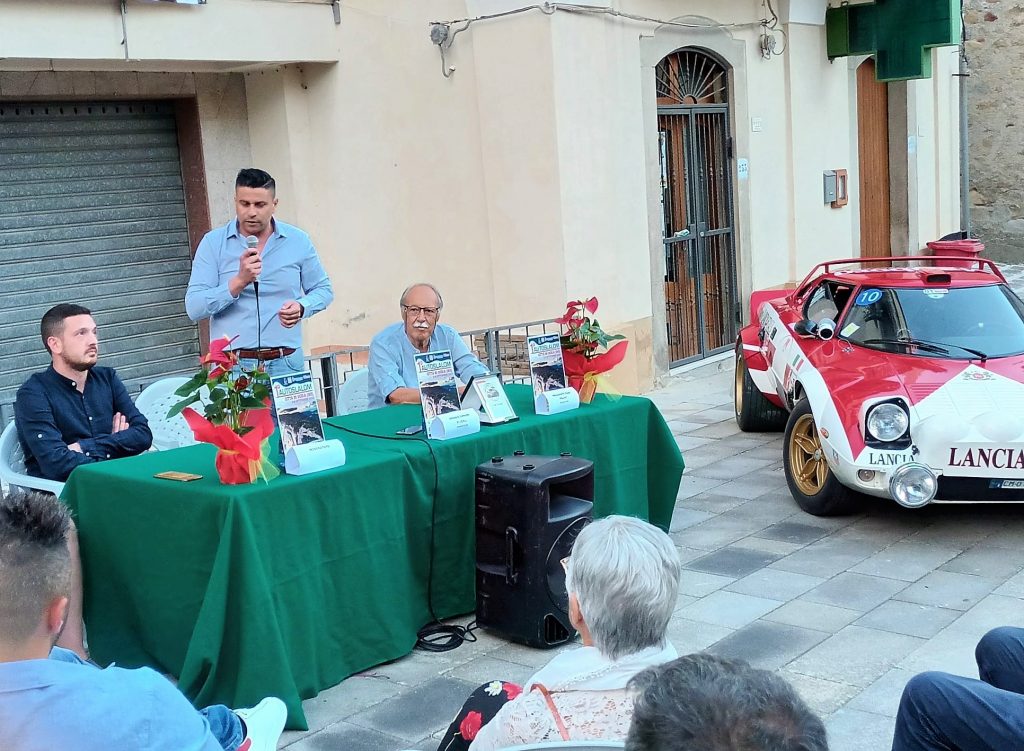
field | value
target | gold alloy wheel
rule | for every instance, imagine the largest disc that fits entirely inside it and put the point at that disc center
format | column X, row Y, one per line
column 806, row 458
column 740, row 369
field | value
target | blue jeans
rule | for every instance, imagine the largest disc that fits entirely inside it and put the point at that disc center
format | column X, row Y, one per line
column 225, row 726
column 939, row 711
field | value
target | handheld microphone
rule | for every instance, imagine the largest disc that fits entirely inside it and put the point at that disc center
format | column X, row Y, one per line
column 252, row 242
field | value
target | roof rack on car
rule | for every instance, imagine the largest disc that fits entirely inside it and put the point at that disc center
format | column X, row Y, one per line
column 957, row 263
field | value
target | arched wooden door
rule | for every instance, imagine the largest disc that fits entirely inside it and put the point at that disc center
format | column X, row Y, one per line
column 702, row 310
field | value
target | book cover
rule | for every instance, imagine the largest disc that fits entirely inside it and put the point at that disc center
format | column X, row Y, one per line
column 298, row 415
column 439, row 391
column 546, row 369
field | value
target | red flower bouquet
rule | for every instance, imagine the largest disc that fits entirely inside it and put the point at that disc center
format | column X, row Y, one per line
column 236, row 415
column 582, row 342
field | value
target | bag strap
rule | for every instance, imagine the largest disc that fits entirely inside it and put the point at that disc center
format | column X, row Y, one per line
column 559, row 723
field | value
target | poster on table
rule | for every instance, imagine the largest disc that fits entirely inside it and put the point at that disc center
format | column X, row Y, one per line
column 439, row 397
column 551, row 392
column 302, row 433
column 298, row 414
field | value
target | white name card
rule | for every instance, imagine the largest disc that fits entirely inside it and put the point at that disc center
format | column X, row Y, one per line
column 557, row 400
column 454, row 424
column 307, row 458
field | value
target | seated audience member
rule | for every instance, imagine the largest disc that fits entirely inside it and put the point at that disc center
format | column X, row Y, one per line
column 75, row 412
column 51, row 699
column 705, row 703
column 392, row 369
column 943, row 711
column 623, row 583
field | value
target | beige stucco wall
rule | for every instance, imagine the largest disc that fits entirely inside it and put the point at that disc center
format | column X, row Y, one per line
column 162, row 36
column 529, row 176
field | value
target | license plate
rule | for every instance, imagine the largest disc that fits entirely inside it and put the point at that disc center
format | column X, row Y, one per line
column 1006, row 484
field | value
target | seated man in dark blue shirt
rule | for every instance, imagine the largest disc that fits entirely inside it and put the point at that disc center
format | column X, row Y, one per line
column 75, row 412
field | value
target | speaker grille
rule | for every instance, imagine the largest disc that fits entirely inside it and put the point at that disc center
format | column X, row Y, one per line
column 554, row 631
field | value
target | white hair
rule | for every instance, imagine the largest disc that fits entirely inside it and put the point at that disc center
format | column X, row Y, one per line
column 440, row 301
column 625, row 575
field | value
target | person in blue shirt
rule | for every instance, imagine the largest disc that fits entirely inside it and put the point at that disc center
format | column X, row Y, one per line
column 75, row 412
column 258, row 294
column 392, row 369
column 52, row 699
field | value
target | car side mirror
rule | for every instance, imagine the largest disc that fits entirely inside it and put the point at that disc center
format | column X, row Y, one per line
column 804, row 328
column 824, row 329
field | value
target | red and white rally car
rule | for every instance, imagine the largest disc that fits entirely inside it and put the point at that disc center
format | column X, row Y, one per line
column 903, row 382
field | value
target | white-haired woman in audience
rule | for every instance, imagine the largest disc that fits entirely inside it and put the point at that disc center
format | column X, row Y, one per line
column 623, row 583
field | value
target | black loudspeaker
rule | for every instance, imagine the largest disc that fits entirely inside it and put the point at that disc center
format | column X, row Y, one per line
column 529, row 510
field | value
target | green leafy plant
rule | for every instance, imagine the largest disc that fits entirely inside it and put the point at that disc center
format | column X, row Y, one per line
column 233, row 392
column 581, row 333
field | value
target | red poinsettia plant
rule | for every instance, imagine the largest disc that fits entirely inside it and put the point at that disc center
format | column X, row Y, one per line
column 585, row 351
column 236, row 414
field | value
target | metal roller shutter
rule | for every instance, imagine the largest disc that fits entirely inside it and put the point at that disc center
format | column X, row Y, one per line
column 92, row 211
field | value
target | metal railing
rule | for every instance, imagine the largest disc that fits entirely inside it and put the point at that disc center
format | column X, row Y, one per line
column 502, row 349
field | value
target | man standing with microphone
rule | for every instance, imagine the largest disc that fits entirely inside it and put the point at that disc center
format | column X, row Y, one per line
column 256, row 278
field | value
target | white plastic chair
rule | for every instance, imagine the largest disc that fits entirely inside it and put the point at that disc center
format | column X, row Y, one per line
column 12, row 465
column 154, row 402
column 354, row 395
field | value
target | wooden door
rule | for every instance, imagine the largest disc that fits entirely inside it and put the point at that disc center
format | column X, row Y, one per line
column 873, row 142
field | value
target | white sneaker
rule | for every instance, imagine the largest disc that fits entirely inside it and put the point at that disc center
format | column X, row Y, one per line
column 264, row 723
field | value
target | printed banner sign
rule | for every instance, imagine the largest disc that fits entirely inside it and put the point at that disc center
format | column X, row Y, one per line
column 298, row 415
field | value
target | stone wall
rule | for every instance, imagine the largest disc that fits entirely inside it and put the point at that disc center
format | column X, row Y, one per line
column 995, row 53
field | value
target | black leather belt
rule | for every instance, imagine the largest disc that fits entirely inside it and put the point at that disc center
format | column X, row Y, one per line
column 267, row 353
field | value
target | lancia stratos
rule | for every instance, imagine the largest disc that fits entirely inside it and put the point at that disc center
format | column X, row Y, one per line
column 904, row 382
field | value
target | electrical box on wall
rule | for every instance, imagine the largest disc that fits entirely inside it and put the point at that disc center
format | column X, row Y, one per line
column 830, row 186
column 836, row 188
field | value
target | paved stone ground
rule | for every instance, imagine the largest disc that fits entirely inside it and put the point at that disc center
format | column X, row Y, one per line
column 846, row 609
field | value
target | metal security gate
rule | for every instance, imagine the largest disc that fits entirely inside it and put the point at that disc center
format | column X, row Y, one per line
column 702, row 309
column 92, row 211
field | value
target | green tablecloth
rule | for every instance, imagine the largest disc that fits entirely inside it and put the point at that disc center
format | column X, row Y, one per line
column 287, row 588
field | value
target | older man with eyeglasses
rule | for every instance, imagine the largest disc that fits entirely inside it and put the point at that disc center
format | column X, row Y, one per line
column 392, row 368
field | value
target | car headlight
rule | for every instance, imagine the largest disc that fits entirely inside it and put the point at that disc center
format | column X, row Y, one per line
column 913, row 485
column 887, row 422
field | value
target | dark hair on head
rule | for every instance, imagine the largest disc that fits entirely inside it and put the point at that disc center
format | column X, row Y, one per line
column 53, row 319
column 35, row 566
column 708, row 703
column 250, row 177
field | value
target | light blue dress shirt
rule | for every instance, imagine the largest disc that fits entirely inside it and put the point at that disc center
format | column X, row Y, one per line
column 392, row 365
column 61, row 703
column 291, row 271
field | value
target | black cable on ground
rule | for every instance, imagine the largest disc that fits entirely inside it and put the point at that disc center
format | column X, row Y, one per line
column 435, row 636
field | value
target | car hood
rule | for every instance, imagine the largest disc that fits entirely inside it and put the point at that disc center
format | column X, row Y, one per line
column 950, row 400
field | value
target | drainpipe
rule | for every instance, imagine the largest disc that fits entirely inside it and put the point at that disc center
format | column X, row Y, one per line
column 965, row 166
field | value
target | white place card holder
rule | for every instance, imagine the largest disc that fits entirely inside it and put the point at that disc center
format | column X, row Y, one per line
column 485, row 395
column 453, row 424
column 307, row 458
column 557, row 400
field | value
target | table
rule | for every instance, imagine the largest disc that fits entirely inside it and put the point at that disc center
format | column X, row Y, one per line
column 289, row 587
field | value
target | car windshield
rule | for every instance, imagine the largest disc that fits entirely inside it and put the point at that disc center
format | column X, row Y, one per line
column 954, row 322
